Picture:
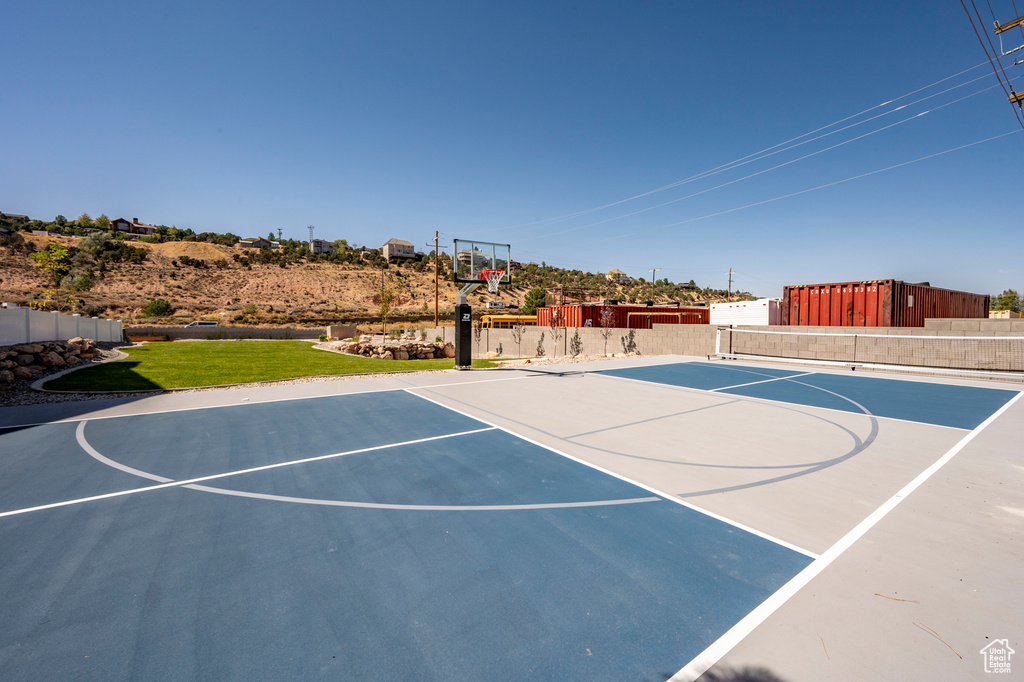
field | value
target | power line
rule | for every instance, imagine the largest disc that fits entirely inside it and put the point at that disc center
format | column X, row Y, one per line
column 744, row 159
column 767, row 170
column 812, row 189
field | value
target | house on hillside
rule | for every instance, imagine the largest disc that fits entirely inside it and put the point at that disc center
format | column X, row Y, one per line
column 398, row 250
column 132, row 226
column 618, row 277
column 318, row 246
column 15, row 217
column 258, row 243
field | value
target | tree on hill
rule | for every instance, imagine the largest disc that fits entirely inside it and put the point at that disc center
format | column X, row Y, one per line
column 535, row 298
column 1008, row 300
column 56, row 260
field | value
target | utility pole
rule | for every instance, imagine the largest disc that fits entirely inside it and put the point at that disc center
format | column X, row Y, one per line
column 437, row 258
column 730, row 284
column 436, row 295
column 1015, row 97
column 279, row 233
column 653, row 270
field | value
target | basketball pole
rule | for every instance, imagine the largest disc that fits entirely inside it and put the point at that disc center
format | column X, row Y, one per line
column 464, row 328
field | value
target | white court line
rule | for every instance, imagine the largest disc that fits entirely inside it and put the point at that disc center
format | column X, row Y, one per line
column 763, row 381
column 771, row 401
column 666, row 496
column 168, row 483
column 247, row 403
column 699, row 665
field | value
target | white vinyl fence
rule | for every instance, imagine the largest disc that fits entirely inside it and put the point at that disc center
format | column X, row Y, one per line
column 24, row 325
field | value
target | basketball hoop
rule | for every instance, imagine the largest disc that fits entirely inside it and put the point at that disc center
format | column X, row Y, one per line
column 493, row 279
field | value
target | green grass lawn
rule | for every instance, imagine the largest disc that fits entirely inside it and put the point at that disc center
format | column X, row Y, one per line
column 190, row 364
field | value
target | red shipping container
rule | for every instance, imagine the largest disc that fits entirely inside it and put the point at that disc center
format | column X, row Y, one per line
column 882, row 303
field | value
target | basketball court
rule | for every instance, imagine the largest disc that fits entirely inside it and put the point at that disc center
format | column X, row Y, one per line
column 642, row 519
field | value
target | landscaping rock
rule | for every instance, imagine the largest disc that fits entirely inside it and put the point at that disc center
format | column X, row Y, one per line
column 31, row 360
column 393, row 350
column 53, row 359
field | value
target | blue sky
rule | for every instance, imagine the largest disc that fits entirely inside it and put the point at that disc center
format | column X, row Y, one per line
column 496, row 121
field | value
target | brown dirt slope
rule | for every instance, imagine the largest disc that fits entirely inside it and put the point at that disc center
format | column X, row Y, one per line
column 314, row 291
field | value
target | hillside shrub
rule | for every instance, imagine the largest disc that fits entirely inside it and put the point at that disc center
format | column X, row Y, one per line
column 157, row 308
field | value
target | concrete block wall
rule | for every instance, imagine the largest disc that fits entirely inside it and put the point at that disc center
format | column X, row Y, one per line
column 976, row 327
column 871, row 344
column 663, row 339
column 883, row 346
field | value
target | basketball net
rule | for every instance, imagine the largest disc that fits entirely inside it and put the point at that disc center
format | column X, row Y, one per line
column 493, row 278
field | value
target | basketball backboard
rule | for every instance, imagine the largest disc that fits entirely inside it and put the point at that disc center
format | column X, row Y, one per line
column 475, row 261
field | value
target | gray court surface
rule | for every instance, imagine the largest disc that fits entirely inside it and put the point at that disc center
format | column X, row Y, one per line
column 641, row 519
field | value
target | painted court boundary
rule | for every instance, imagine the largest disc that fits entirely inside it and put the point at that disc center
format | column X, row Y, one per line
column 247, row 402
column 699, row 665
column 772, row 401
column 169, row 483
column 608, row 472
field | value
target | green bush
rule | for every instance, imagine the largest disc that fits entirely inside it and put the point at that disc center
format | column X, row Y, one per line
column 157, row 308
column 322, row 337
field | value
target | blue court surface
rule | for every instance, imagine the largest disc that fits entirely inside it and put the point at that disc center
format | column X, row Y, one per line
column 963, row 407
column 411, row 542
column 386, row 535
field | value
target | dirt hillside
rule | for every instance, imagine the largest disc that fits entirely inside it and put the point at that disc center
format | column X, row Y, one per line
column 308, row 292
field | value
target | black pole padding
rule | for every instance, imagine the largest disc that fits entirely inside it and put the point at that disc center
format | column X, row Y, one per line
column 463, row 336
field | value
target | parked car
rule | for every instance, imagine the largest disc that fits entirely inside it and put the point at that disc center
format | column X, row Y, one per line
column 203, row 323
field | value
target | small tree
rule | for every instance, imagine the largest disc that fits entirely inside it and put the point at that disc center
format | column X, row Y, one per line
column 56, row 260
column 556, row 333
column 606, row 326
column 385, row 309
column 540, row 346
column 478, row 331
column 517, row 335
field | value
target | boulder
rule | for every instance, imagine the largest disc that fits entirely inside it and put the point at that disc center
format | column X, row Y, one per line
column 25, row 359
column 22, row 373
column 449, row 350
column 6, row 376
column 53, row 359
column 29, row 348
column 401, row 354
column 83, row 345
column 73, row 360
